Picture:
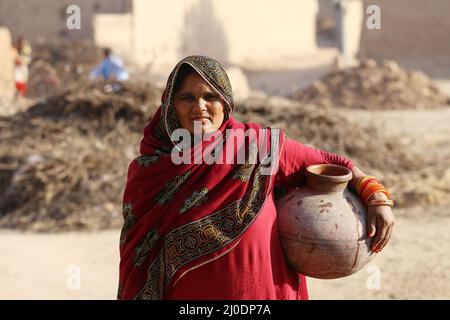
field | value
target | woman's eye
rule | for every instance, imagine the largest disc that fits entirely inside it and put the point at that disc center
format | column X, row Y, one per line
column 211, row 97
column 187, row 98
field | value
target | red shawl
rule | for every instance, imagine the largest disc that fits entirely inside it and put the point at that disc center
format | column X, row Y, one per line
column 177, row 217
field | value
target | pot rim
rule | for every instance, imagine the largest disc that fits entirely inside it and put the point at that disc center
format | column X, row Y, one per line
column 346, row 175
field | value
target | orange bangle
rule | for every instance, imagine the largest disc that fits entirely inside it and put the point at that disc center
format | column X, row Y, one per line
column 366, row 183
column 366, row 200
column 358, row 184
column 361, row 180
column 370, row 189
column 381, row 202
column 369, row 192
column 372, row 186
column 367, row 186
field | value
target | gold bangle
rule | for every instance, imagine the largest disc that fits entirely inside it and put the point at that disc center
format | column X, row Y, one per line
column 381, row 202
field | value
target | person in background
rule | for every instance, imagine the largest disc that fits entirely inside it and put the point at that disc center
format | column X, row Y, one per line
column 111, row 68
column 22, row 59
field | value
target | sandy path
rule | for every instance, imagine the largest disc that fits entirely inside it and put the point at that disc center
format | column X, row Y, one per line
column 38, row 266
column 415, row 265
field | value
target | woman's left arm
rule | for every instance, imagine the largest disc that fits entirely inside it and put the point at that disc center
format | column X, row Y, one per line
column 380, row 219
column 296, row 157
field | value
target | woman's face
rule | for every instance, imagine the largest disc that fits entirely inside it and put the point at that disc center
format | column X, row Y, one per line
column 196, row 100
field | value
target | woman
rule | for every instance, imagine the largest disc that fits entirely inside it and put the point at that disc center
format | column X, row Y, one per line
column 200, row 230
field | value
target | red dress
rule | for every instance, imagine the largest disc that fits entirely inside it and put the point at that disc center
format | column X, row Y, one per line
column 255, row 268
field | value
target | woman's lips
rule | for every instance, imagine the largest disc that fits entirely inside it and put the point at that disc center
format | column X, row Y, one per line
column 200, row 119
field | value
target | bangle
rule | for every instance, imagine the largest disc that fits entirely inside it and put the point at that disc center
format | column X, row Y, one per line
column 367, row 182
column 362, row 180
column 367, row 186
column 369, row 192
column 381, row 202
column 380, row 191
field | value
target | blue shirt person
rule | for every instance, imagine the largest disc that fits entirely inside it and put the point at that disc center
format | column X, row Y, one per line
column 112, row 67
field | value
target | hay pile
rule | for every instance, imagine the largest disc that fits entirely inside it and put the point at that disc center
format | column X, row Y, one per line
column 325, row 129
column 43, row 80
column 57, row 64
column 63, row 162
column 375, row 87
column 412, row 178
column 100, row 105
column 429, row 186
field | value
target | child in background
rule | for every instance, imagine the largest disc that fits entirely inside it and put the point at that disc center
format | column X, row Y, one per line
column 22, row 59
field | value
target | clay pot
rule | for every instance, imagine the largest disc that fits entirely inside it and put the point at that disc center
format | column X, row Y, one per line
column 322, row 226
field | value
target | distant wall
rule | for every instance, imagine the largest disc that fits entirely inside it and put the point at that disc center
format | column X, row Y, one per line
column 157, row 32
column 416, row 33
column 252, row 33
column 47, row 18
column 352, row 13
column 115, row 31
column 6, row 63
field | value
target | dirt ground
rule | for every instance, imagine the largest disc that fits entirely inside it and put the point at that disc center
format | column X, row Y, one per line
column 41, row 266
column 415, row 265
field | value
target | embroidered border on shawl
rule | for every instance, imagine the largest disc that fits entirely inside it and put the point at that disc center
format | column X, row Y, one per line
column 129, row 222
column 197, row 198
column 196, row 239
column 203, row 236
column 146, row 160
column 155, row 290
column 171, row 188
column 244, row 171
column 144, row 247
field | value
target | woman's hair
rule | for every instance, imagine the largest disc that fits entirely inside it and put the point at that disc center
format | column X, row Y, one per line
column 182, row 74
